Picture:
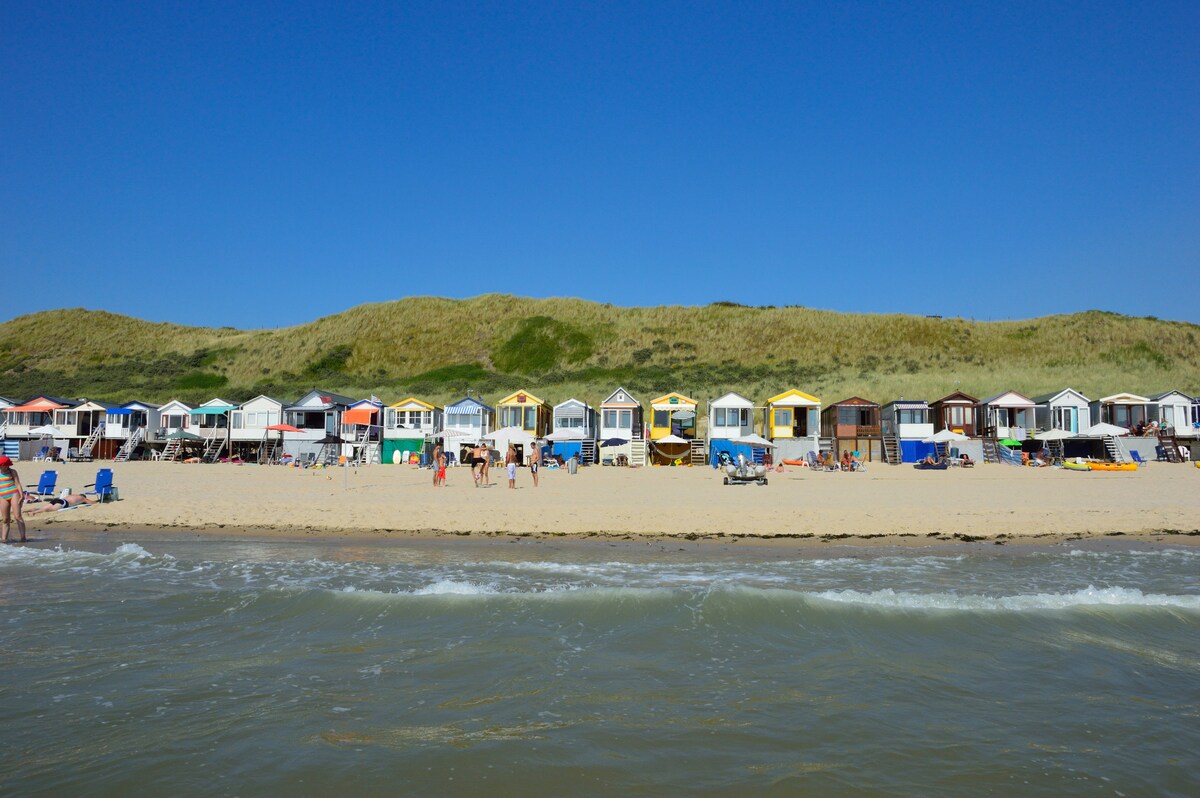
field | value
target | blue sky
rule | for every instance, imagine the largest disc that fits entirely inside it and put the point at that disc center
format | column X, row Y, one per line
column 266, row 164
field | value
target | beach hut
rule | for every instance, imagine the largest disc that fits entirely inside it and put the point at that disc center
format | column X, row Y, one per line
column 173, row 417
column 1007, row 415
column 362, row 426
column 575, row 430
column 318, row 416
column 406, row 425
column 1066, row 410
column 1172, row 410
column 673, row 415
column 36, row 412
column 907, row 423
column 730, row 417
column 248, row 424
column 853, row 424
column 622, row 419
column 127, row 427
column 82, row 427
column 210, row 421
column 526, row 412
column 956, row 412
column 1121, row 409
column 466, row 421
column 792, row 420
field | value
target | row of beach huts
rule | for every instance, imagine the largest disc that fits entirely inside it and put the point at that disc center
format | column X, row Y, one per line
column 324, row 427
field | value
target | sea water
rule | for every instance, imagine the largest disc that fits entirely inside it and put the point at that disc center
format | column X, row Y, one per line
column 200, row 666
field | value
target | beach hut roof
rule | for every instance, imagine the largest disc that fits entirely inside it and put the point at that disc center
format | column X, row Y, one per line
column 957, row 398
column 572, row 403
column 908, row 404
column 92, row 404
column 175, row 404
column 38, row 404
column 731, row 399
column 411, row 403
column 1047, row 398
column 620, row 398
column 679, row 400
column 1158, row 397
column 271, row 399
column 856, row 400
column 794, row 398
column 1008, row 399
column 467, row 406
column 136, row 405
column 1124, row 399
column 321, row 400
column 520, row 398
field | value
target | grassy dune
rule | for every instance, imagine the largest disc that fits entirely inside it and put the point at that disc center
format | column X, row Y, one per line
column 437, row 348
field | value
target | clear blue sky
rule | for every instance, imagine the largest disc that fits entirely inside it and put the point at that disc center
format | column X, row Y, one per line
column 263, row 164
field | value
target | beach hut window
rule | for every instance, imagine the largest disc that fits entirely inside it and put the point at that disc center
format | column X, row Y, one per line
column 910, row 416
column 661, row 418
column 783, row 417
column 237, row 420
column 530, row 417
column 175, row 422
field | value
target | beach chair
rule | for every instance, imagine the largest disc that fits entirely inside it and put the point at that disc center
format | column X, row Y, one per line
column 102, row 488
column 858, row 464
column 43, row 454
column 46, row 483
column 1160, row 454
column 1137, row 457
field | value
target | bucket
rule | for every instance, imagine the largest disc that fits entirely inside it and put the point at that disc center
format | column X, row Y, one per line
column 573, row 465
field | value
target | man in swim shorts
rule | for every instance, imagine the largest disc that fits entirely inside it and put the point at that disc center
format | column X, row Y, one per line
column 510, row 462
column 533, row 464
column 62, row 503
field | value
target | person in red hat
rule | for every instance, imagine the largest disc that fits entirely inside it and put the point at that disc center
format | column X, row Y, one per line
column 11, row 500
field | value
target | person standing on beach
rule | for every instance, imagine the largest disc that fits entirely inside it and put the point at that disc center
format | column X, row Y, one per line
column 477, row 462
column 436, row 461
column 485, row 471
column 510, row 462
column 11, row 500
column 534, row 457
column 439, row 478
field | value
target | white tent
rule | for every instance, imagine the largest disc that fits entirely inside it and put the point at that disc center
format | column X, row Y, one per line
column 672, row 439
column 566, row 434
column 1104, row 428
column 1054, row 435
column 946, row 436
column 514, row 435
column 755, row 440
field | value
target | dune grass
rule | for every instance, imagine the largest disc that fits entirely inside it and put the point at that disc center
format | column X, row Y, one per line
column 438, row 348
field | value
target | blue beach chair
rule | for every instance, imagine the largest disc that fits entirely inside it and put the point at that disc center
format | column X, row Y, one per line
column 46, row 483
column 102, row 488
column 1137, row 457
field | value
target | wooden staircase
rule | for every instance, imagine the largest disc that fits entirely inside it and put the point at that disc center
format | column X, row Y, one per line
column 171, row 451
column 85, row 451
column 212, row 449
column 637, row 453
column 891, row 450
column 1170, row 445
column 699, row 453
column 1056, row 450
column 1114, row 451
column 130, row 445
column 268, row 450
column 991, row 450
column 587, row 452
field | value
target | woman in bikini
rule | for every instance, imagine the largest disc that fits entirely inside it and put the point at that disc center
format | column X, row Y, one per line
column 11, row 500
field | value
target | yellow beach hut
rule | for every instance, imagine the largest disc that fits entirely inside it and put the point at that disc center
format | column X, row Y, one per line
column 526, row 412
column 406, row 424
column 672, row 420
column 793, row 423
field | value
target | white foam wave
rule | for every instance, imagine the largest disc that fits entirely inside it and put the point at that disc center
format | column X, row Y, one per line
column 1088, row 597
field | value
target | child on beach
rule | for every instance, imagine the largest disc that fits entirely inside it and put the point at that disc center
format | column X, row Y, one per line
column 12, row 497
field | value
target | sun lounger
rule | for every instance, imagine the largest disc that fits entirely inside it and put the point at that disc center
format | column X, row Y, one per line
column 46, row 483
column 1137, row 456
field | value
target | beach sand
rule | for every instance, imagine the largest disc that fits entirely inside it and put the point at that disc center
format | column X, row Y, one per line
column 887, row 504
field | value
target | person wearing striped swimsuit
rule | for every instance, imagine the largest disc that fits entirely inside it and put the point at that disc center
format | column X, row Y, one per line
column 11, row 499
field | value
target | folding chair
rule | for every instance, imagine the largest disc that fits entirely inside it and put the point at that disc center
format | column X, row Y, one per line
column 102, row 488
column 46, row 483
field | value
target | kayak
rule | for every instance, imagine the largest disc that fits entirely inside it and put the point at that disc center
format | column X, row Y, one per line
column 1114, row 467
column 1071, row 465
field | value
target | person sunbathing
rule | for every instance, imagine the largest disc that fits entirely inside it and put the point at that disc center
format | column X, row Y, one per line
column 930, row 460
column 966, row 460
column 61, row 503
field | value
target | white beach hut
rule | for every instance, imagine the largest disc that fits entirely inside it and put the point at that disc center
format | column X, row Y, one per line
column 248, row 428
column 127, row 427
column 1066, row 410
column 318, row 415
column 1007, row 415
column 621, row 419
column 908, row 422
column 406, row 425
column 1121, row 409
column 730, row 416
column 1172, row 410
column 574, row 432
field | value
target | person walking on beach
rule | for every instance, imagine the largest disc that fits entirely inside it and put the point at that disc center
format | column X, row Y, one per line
column 439, row 477
column 436, row 461
column 11, row 500
column 510, row 462
column 485, row 471
column 477, row 462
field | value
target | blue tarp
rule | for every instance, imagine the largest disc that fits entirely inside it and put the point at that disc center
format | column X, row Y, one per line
column 915, row 451
column 715, row 447
column 568, row 449
column 119, row 411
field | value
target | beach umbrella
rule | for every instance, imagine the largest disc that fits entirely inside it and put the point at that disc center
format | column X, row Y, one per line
column 448, row 434
column 1105, row 428
column 755, row 440
column 47, row 431
column 671, row 440
column 183, row 435
column 683, row 415
column 1054, row 435
column 283, row 428
column 946, row 436
column 1010, row 442
column 614, row 442
column 507, row 435
column 568, row 434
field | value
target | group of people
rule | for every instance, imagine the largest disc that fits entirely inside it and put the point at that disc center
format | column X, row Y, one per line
column 1148, row 429
column 13, row 498
column 480, row 460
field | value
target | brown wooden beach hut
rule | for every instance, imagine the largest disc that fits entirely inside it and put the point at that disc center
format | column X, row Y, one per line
column 958, row 412
column 854, row 424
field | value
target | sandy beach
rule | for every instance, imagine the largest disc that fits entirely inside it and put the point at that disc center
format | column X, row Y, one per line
column 887, row 503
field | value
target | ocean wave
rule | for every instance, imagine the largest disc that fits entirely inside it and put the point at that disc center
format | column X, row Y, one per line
column 1088, row 597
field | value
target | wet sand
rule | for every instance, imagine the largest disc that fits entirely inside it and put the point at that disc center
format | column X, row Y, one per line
column 891, row 505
